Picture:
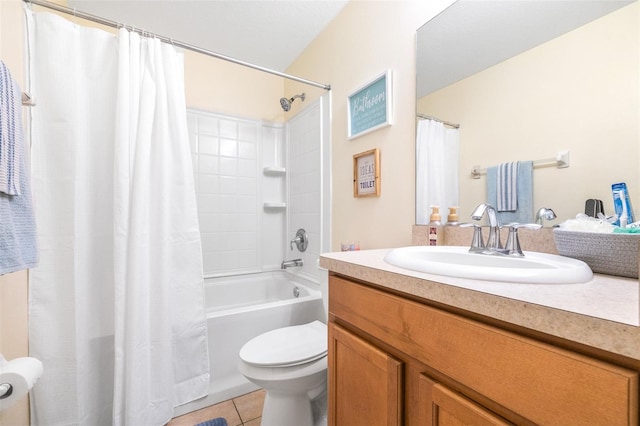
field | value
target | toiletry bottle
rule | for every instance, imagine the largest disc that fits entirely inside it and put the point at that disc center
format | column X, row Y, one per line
column 452, row 219
column 435, row 227
column 622, row 204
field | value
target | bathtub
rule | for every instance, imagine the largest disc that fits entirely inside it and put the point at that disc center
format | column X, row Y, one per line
column 241, row 307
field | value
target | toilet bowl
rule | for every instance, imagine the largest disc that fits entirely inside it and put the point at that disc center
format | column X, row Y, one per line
column 290, row 363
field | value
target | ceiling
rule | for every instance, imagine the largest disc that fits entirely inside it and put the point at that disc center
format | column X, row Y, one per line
column 268, row 33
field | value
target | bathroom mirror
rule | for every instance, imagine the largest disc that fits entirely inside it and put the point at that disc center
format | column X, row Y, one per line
column 526, row 80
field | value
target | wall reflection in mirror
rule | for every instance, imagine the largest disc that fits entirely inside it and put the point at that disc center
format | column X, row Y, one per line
column 526, row 80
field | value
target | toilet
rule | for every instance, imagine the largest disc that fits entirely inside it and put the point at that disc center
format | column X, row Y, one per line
column 290, row 363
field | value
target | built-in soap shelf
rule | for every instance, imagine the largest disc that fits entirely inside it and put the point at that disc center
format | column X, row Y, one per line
column 270, row 205
column 274, row 171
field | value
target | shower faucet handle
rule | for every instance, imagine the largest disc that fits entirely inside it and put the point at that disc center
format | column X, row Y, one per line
column 301, row 240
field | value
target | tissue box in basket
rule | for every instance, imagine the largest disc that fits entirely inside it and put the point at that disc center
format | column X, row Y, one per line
column 613, row 254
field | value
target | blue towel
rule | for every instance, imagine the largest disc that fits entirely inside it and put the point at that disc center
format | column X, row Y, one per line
column 507, row 189
column 524, row 211
column 10, row 133
column 219, row 421
column 18, row 248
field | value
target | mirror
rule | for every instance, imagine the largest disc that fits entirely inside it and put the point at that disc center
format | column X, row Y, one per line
column 526, row 80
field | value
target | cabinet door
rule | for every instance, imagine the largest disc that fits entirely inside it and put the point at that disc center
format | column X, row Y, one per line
column 440, row 406
column 364, row 382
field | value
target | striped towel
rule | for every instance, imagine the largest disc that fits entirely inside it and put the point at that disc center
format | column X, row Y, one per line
column 10, row 133
column 219, row 421
column 18, row 248
column 507, row 189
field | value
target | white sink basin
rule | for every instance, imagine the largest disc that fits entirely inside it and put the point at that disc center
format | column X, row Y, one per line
column 454, row 261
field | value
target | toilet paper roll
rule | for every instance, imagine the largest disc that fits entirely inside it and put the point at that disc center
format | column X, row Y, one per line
column 17, row 377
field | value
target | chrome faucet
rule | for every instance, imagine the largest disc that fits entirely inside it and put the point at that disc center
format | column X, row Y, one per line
column 477, row 243
column 513, row 242
column 493, row 242
column 544, row 214
column 494, row 246
column 301, row 240
column 291, row 263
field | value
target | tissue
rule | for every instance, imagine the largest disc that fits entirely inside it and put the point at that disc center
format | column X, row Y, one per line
column 584, row 223
column 18, row 376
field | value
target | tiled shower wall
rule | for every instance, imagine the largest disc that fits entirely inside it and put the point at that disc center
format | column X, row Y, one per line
column 305, row 186
column 242, row 171
column 225, row 162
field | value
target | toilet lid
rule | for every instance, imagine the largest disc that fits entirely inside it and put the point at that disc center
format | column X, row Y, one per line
column 287, row 346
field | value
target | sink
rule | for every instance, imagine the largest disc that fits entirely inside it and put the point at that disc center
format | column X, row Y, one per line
column 456, row 261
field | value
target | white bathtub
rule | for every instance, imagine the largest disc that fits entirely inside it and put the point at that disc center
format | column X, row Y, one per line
column 242, row 307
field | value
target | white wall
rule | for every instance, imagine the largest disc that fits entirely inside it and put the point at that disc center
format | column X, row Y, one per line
column 274, row 195
column 305, row 184
column 225, row 161
column 257, row 183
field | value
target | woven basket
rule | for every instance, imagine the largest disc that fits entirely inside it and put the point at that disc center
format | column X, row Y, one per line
column 612, row 254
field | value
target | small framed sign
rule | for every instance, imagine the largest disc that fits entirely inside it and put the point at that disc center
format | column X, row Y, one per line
column 366, row 174
column 370, row 106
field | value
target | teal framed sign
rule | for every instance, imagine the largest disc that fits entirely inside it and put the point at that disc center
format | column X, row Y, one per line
column 370, row 106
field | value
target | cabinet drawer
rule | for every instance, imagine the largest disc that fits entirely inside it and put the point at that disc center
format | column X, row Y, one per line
column 540, row 382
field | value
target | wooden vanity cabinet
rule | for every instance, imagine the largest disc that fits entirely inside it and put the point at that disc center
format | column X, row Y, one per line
column 393, row 361
column 371, row 377
column 442, row 406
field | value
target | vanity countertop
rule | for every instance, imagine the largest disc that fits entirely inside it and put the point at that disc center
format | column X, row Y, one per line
column 603, row 313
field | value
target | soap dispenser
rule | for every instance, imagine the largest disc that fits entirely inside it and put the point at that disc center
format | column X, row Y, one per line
column 452, row 219
column 435, row 227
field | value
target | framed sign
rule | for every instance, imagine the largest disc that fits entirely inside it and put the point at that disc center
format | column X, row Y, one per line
column 366, row 174
column 370, row 106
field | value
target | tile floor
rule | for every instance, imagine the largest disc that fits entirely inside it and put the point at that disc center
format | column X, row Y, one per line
column 244, row 410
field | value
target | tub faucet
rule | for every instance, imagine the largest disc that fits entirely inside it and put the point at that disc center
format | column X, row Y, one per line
column 290, row 263
column 493, row 242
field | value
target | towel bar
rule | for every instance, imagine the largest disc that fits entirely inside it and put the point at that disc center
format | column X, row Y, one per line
column 561, row 161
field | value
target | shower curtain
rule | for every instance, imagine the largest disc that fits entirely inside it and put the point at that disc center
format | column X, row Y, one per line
column 116, row 306
column 437, row 166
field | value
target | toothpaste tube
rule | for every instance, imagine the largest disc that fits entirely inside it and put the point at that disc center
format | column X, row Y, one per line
column 622, row 204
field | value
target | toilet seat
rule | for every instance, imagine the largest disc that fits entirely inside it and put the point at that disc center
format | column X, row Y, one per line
column 288, row 346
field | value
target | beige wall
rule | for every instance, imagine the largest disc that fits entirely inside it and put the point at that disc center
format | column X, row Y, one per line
column 367, row 38
column 215, row 85
column 13, row 287
column 578, row 92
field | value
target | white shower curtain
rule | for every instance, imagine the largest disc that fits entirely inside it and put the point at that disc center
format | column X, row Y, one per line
column 116, row 306
column 437, row 166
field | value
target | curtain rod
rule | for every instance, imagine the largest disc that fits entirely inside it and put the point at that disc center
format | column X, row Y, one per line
column 115, row 24
column 446, row 123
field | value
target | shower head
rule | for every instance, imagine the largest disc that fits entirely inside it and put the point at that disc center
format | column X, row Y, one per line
column 286, row 103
